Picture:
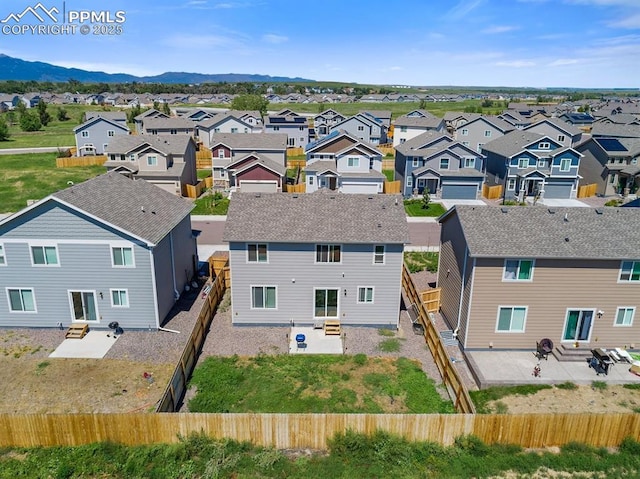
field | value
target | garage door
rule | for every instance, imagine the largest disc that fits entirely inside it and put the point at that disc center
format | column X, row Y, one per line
column 259, row 186
column 364, row 188
column 459, row 192
column 557, row 190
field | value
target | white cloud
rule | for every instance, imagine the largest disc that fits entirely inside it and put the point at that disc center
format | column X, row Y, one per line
column 275, row 39
column 227, row 5
column 631, row 22
column 463, row 8
column 516, row 64
column 563, row 62
column 499, row 29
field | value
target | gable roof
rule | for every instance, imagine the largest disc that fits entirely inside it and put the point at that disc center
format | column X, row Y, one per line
column 512, row 143
column 585, row 234
column 167, row 144
column 320, row 217
column 152, row 113
column 220, row 118
column 158, row 123
column 251, row 141
column 100, row 119
column 615, row 131
column 419, row 121
column 423, row 141
column 119, row 116
column 338, row 135
column 497, row 122
column 254, row 159
column 134, row 207
column 563, row 126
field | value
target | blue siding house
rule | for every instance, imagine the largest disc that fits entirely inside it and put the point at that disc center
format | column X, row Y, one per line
column 109, row 249
column 435, row 161
column 531, row 165
column 94, row 135
column 319, row 256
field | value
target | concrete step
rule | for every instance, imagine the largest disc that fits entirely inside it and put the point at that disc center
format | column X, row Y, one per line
column 570, row 353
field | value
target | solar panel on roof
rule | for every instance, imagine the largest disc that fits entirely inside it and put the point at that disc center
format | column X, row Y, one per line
column 610, row 144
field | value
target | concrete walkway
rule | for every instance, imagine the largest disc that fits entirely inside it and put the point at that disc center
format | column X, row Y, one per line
column 507, row 368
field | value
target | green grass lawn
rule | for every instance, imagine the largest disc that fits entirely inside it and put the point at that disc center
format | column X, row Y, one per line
column 351, row 455
column 389, row 174
column 314, row 384
column 205, row 206
column 34, row 176
column 421, row 260
column 414, row 208
column 202, row 174
column 56, row 133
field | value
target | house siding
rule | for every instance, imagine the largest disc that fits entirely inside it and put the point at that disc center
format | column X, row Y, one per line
column 289, row 262
column 556, row 286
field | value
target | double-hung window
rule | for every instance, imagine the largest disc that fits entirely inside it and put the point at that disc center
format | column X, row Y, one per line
column 624, row 316
column 630, row 271
column 119, row 298
column 511, row 319
column 469, row 162
column 21, row 300
column 378, row 254
column 44, row 256
column 518, row 270
column 257, row 253
column 353, row 162
column 263, row 297
column 523, row 163
column 328, row 253
column 565, row 164
column 152, row 160
column 122, row 257
column 3, row 260
column 444, row 163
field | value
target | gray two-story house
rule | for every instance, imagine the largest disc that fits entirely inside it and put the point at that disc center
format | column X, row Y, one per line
column 323, row 122
column 612, row 164
column 365, row 127
column 94, row 135
column 295, row 126
column 483, row 129
column 108, row 249
column 415, row 123
column 168, row 126
column 436, row 162
column 531, row 165
column 348, row 267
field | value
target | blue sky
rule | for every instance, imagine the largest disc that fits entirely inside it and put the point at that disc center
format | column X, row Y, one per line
column 536, row 43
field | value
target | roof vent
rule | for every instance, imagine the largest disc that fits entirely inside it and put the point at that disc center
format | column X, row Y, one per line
column 599, row 211
column 369, row 197
column 258, row 195
column 551, row 211
column 566, row 217
column 379, row 225
column 294, row 196
column 504, row 210
column 567, row 239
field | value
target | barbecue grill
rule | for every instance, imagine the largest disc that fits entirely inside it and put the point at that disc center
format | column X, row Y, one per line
column 600, row 361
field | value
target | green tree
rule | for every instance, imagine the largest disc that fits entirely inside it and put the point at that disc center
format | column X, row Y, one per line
column 426, row 199
column 11, row 117
column 4, row 130
column 250, row 102
column 133, row 112
column 30, row 121
column 166, row 109
column 156, row 105
column 62, row 114
column 44, row 115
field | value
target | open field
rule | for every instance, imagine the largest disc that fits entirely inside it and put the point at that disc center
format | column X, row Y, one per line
column 34, row 176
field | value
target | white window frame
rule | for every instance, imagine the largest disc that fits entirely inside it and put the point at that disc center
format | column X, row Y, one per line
column 3, row 256
column 410, row 181
column 264, row 289
column 544, row 145
column 310, row 180
column 416, row 162
column 43, row 246
column 119, row 290
column 21, row 289
column 367, row 298
column 469, row 163
column 152, row 160
column 511, row 184
column 132, row 157
column 517, row 272
column 330, row 251
column 379, row 257
column 487, row 133
column 221, row 153
column 510, row 330
column 114, row 247
column 234, row 130
column 441, row 167
column 561, row 138
column 111, row 133
column 464, row 132
column 353, row 162
column 541, row 163
column 257, row 253
column 84, row 133
column 624, row 309
column 564, row 161
column 622, row 271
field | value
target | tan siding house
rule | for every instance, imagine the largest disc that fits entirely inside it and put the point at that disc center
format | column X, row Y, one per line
column 568, row 274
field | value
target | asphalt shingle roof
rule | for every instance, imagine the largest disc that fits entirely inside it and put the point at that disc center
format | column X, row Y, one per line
column 323, row 216
column 251, row 141
column 132, row 205
column 167, row 144
column 545, row 232
column 511, row 143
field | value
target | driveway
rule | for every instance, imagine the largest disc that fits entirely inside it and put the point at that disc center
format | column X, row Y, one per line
column 561, row 202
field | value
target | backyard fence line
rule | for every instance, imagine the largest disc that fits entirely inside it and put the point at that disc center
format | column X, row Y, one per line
column 388, row 164
column 392, row 187
column 586, row 191
column 80, row 161
column 492, row 192
column 298, row 431
column 450, row 376
column 177, row 386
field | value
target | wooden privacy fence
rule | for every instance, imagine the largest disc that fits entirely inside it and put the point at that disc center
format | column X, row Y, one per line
column 298, row 431
column 295, row 151
column 296, row 163
column 387, row 149
column 431, row 300
column 586, row 191
column 492, row 192
column 299, row 188
column 203, row 158
column 194, row 191
column 177, row 386
column 450, row 376
column 391, row 187
column 78, row 161
column 388, row 164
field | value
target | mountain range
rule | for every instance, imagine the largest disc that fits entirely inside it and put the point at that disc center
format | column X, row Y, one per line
column 21, row 70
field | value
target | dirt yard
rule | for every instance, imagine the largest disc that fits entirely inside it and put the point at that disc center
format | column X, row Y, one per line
column 612, row 399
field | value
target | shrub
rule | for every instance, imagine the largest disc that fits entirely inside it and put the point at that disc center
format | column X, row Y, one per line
column 568, row 386
column 4, row 130
column 614, row 202
column 30, row 122
column 391, row 345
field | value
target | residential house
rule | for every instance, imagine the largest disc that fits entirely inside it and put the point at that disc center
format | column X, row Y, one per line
column 147, row 115
column 222, row 123
column 383, row 116
column 94, row 135
column 295, row 126
column 531, row 165
column 255, row 173
column 584, row 121
column 229, row 148
column 168, row 126
column 436, row 162
column 304, row 259
column 342, row 162
column 565, row 133
column 611, row 164
column 118, row 116
column 365, row 127
column 512, row 276
column 478, row 131
column 167, row 161
column 610, row 130
column 454, row 119
column 198, row 114
column 108, row 249
column 323, row 122
column 415, row 123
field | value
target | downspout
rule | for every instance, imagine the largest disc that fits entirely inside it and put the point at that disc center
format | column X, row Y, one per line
column 176, row 294
column 464, row 273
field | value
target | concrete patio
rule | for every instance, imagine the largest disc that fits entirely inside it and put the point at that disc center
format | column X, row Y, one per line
column 507, row 368
column 95, row 345
column 316, row 342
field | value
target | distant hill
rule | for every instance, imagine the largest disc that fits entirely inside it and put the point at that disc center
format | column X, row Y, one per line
column 22, row 70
